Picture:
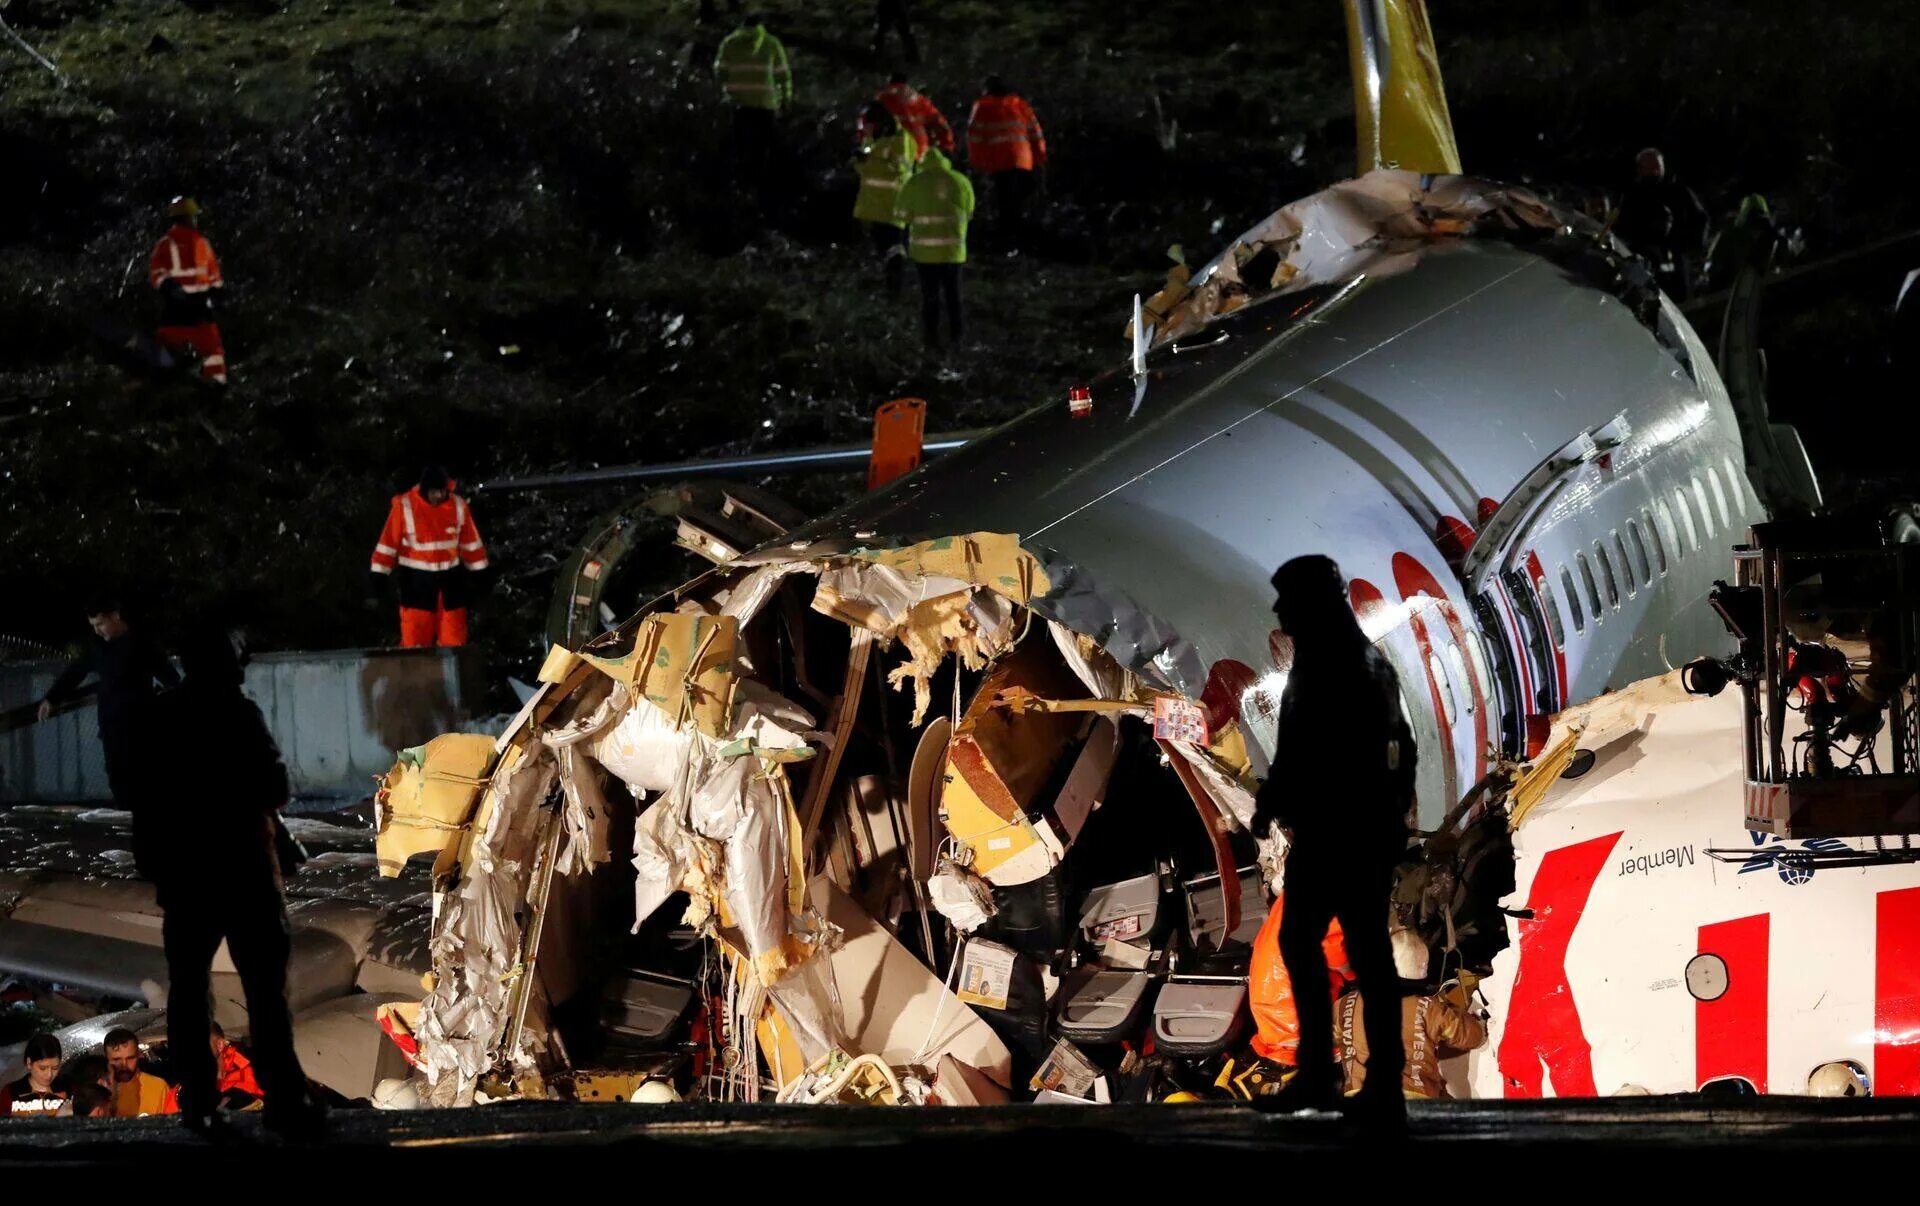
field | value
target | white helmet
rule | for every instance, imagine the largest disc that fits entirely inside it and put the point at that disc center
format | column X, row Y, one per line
column 396, row 1093
column 656, row 1092
column 1632, row 1091
column 1839, row 1078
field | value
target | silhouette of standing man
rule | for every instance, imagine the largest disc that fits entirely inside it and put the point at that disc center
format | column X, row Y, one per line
column 1341, row 783
column 214, row 858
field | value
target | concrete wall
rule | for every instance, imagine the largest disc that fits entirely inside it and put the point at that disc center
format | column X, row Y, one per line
column 338, row 716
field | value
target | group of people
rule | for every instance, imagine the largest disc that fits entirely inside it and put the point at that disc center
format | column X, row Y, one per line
column 214, row 849
column 115, row 1083
column 914, row 201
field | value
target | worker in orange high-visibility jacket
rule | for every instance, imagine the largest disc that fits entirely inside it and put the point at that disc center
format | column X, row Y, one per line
column 1270, row 990
column 1006, row 145
column 432, row 550
column 916, row 114
column 185, row 275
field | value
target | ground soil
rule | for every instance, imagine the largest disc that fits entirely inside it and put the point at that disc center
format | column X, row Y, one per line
column 504, row 236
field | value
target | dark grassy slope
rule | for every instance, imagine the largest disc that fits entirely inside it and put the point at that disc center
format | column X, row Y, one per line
column 505, row 233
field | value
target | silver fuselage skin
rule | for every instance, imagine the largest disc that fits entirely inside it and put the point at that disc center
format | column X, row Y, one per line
column 1363, row 429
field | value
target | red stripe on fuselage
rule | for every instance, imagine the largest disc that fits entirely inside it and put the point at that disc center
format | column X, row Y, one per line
column 1368, row 602
column 1537, row 575
column 1543, row 1021
column 1730, row 1031
column 1896, row 993
column 1415, row 579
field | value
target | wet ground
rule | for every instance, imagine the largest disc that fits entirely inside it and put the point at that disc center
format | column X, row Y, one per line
column 1450, row 1146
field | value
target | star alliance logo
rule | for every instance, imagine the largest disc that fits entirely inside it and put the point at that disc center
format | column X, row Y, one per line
column 1793, row 862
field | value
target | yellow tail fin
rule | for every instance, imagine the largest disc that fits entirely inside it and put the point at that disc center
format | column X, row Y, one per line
column 1399, row 103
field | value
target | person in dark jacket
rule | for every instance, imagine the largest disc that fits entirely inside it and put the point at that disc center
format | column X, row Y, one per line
column 213, row 851
column 35, row 1095
column 128, row 666
column 1341, row 784
column 1662, row 220
column 890, row 16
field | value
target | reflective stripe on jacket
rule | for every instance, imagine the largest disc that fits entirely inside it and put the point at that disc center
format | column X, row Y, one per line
column 752, row 66
column 885, row 165
column 936, row 204
column 184, row 256
column 421, row 536
column 1004, row 135
column 917, row 115
column 1433, row 1029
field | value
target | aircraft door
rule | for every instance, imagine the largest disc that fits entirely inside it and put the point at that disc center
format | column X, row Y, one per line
column 1536, row 644
column 1501, row 648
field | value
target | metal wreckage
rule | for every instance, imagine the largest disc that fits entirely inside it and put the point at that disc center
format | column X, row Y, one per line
column 716, row 852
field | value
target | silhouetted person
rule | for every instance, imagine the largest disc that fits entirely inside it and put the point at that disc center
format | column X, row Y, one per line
column 128, row 666
column 884, row 164
column 1905, row 344
column 890, row 16
column 213, row 852
column 1341, row 783
column 1662, row 220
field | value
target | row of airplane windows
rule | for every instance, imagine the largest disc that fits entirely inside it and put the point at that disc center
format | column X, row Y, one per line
column 1649, row 547
column 1623, row 559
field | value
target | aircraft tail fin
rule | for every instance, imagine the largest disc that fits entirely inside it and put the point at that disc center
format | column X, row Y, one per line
column 1399, row 102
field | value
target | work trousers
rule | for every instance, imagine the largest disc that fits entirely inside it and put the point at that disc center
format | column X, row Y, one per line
column 890, row 244
column 891, row 16
column 752, row 149
column 1012, row 190
column 1325, row 881
column 203, row 341
column 940, row 289
column 235, row 897
column 423, row 628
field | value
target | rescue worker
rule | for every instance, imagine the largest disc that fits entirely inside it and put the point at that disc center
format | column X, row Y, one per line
column 1006, row 144
column 217, row 863
column 235, row 1086
column 884, row 164
column 915, row 113
column 432, row 550
column 751, row 66
column 135, row 1092
column 891, row 16
column 936, row 205
column 128, row 666
column 1662, row 220
column 1342, row 783
column 1433, row 1027
column 1276, row 1025
column 185, row 275
column 33, row 1095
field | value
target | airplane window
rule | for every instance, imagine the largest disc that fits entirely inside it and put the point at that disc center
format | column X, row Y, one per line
column 1659, row 532
column 1627, row 571
column 1606, row 576
column 1593, row 592
column 1636, row 547
column 1686, row 516
column 1706, row 514
column 1573, row 606
column 1458, row 665
column 1445, row 687
column 1719, row 496
column 1478, row 653
column 1741, row 488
